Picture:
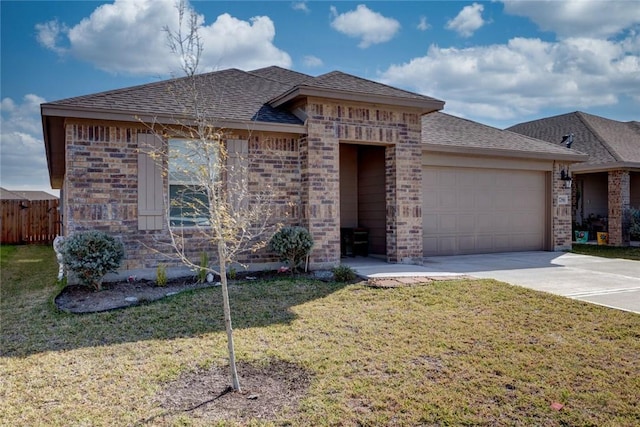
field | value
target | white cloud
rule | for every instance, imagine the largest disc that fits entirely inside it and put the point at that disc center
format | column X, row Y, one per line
column 468, row 20
column 311, row 61
column 127, row 37
column 501, row 82
column 423, row 25
column 50, row 34
column 301, row 6
column 363, row 23
column 578, row 18
column 23, row 164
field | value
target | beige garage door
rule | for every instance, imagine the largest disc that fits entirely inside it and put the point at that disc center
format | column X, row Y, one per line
column 474, row 210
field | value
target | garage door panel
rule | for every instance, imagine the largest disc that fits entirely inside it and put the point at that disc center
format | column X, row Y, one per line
column 447, row 224
column 466, row 223
column 475, row 210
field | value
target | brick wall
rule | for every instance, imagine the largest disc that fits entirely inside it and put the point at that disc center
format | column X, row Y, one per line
column 101, row 184
column 619, row 201
column 561, row 212
column 330, row 123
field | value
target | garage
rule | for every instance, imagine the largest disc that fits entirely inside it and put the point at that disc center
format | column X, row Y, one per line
column 469, row 209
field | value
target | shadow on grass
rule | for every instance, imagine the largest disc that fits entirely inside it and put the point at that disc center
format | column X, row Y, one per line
column 32, row 324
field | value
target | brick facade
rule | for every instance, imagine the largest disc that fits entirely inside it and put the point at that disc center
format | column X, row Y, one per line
column 561, row 227
column 330, row 123
column 619, row 183
column 100, row 189
column 302, row 172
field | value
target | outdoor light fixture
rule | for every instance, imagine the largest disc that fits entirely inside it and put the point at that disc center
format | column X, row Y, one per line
column 564, row 176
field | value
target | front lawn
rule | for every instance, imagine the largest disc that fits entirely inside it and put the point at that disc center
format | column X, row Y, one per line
column 468, row 352
column 628, row 252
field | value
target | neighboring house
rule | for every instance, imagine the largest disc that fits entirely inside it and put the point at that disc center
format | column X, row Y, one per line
column 345, row 153
column 25, row 195
column 607, row 184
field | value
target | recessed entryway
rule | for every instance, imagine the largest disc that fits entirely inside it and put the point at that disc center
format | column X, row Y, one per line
column 363, row 194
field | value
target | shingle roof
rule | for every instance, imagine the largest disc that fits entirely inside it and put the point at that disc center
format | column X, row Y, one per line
column 340, row 81
column 282, row 75
column 443, row 130
column 25, row 195
column 230, row 94
column 605, row 140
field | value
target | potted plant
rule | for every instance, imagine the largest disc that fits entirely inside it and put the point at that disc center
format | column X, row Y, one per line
column 580, row 233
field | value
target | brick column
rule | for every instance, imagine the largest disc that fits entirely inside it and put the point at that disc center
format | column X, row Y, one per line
column 562, row 202
column 321, row 188
column 404, row 203
column 619, row 202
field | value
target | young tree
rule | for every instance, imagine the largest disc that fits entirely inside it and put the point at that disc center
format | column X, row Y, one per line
column 212, row 195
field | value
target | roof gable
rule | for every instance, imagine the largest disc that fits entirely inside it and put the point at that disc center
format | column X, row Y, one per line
column 340, row 81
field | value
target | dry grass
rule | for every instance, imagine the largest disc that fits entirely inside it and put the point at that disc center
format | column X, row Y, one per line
column 448, row 353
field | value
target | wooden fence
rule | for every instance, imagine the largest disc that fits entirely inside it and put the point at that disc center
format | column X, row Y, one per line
column 24, row 221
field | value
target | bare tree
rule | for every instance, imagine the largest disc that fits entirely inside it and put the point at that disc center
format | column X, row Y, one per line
column 211, row 203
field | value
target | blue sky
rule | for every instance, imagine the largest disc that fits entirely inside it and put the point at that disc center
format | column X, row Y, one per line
column 498, row 63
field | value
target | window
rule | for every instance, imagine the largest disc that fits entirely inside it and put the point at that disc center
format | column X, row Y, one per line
column 189, row 204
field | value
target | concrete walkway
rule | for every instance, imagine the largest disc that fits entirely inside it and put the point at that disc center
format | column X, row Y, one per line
column 609, row 282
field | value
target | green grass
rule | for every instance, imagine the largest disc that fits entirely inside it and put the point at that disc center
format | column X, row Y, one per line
column 447, row 353
column 632, row 253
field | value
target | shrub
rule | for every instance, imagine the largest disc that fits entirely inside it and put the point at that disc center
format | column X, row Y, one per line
column 161, row 275
column 91, row 255
column 343, row 273
column 633, row 216
column 204, row 267
column 292, row 244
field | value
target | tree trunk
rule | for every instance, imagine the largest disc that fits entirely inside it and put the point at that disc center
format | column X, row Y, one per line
column 227, row 318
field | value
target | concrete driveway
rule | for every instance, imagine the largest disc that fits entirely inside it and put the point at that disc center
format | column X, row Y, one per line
column 613, row 283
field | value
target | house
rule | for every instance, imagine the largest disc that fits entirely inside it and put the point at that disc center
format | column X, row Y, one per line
column 25, row 195
column 347, row 153
column 606, row 185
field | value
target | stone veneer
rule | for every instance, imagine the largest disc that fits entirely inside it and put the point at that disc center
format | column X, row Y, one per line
column 561, row 227
column 619, row 202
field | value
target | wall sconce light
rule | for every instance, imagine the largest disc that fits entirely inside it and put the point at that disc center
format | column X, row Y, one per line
column 564, row 176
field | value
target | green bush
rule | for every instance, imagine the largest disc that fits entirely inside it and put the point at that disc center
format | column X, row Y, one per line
column 204, row 267
column 343, row 273
column 91, row 255
column 633, row 215
column 161, row 275
column 293, row 245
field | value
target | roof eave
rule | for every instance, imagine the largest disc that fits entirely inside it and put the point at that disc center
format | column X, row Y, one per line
column 53, row 136
column 424, row 105
column 490, row 152
column 605, row 167
column 135, row 117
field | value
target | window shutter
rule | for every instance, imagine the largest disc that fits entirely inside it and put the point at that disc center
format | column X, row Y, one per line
column 150, row 184
column 237, row 172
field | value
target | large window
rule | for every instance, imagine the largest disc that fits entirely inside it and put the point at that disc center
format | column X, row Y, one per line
column 189, row 204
